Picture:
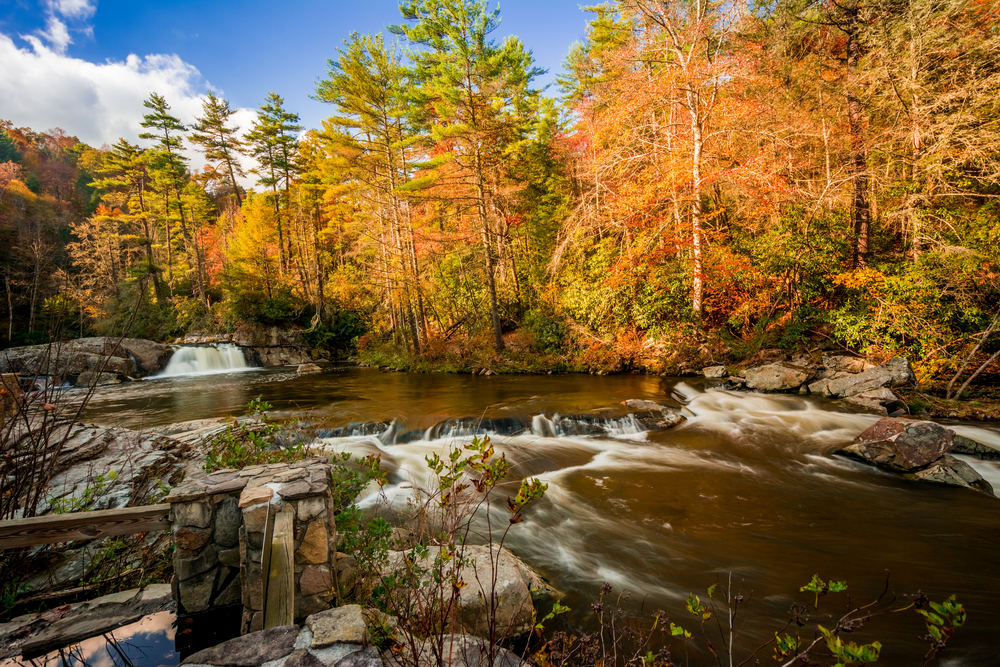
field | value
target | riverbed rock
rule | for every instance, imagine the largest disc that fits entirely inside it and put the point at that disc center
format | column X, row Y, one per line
column 896, row 372
column 340, row 625
column 952, row 472
column 654, row 416
column 250, row 650
column 867, row 405
column 94, row 379
column 780, row 376
column 963, row 445
column 845, row 363
column 715, row 372
column 514, row 610
column 458, row 651
column 132, row 357
column 308, row 368
column 904, row 445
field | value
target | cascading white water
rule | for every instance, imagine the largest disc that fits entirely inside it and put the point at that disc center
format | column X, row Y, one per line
column 206, row 360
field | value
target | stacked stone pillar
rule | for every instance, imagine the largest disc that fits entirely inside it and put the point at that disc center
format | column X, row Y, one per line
column 205, row 523
column 219, row 522
column 302, row 487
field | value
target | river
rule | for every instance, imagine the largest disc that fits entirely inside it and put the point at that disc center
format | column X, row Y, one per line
column 747, row 487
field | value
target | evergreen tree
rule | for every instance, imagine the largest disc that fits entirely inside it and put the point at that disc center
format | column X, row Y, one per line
column 170, row 172
column 474, row 100
column 272, row 141
column 8, row 149
column 220, row 143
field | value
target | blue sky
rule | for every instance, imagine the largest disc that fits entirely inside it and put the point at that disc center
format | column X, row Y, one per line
column 86, row 65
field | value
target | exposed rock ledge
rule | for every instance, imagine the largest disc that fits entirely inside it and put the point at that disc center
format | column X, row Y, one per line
column 263, row 346
column 919, row 450
column 103, row 360
column 854, row 380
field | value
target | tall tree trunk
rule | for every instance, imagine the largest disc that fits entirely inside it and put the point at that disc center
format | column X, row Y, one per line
column 860, row 212
column 697, row 143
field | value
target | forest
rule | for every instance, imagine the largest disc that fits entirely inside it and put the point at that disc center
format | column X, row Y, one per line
column 707, row 180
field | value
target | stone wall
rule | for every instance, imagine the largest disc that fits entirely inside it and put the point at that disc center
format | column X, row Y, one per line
column 218, row 523
column 205, row 522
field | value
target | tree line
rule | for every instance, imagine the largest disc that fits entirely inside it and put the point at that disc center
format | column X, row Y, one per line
column 710, row 176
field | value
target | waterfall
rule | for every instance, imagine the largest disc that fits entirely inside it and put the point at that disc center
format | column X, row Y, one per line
column 205, row 360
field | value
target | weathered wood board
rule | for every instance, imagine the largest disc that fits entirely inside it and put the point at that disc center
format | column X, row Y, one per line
column 15, row 533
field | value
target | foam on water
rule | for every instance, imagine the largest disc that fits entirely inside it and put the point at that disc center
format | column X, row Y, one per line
column 206, row 360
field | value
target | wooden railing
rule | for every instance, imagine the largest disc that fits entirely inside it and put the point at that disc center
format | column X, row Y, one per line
column 15, row 533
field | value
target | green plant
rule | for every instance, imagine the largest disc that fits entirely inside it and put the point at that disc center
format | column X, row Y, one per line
column 87, row 499
column 251, row 442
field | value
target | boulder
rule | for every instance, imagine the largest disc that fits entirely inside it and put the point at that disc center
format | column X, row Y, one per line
column 952, row 472
column 94, row 379
column 654, row 416
column 456, row 651
column 894, row 373
column 779, row 376
column 514, row 606
column 308, row 368
column 844, row 363
column 965, row 445
column 133, row 357
column 901, row 444
column 867, row 405
column 715, row 372
column 340, row 625
column 250, row 650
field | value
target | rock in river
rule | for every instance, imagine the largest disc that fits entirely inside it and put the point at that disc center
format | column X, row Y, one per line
column 901, row 444
column 918, row 449
column 780, row 376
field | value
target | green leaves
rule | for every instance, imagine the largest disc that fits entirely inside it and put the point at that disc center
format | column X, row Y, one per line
column 943, row 619
column 678, row 631
column 695, row 608
column 820, row 587
column 849, row 653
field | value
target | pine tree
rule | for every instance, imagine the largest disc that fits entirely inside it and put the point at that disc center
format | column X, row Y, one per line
column 170, row 173
column 220, row 143
column 272, row 141
column 474, row 100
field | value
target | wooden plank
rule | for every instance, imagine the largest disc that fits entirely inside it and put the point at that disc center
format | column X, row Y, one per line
column 279, row 609
column 15, row 533
column 265, row 556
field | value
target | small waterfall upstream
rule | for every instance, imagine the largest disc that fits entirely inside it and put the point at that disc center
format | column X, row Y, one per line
column 206, row 360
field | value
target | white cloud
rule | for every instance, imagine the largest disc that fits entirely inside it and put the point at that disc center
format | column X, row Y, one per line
column 74, row 9
column 43, row 88
column 56, row 34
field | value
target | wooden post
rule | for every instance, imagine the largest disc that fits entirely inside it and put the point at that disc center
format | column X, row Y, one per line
column 279, row 579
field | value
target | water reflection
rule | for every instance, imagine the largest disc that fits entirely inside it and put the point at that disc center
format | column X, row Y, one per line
column 148, row 642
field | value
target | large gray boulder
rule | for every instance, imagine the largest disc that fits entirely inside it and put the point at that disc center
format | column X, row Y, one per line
column 901, row 444
column 130, row 357
column 896, row 372
column 249, row 650
column 514, row 606
column 844, row 363
column 779, row 376
column 451, row 651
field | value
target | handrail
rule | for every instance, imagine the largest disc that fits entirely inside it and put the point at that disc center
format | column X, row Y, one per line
column 16, row 533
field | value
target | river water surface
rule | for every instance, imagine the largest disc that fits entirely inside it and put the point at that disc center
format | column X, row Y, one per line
column 747, row 487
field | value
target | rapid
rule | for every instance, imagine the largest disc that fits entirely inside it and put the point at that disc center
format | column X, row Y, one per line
column 747, row 486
